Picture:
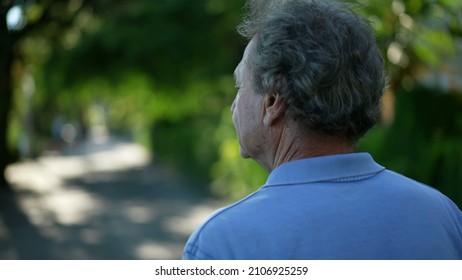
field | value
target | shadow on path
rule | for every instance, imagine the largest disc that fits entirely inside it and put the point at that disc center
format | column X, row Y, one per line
column 25, row 242
column 103, row 200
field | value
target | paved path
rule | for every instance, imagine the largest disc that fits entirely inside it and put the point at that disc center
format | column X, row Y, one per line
column 103, row 200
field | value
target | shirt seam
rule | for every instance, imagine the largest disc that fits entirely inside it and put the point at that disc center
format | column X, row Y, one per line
column 347, row 179
column 196, row 249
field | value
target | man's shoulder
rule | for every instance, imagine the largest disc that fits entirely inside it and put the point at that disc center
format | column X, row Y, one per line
column 215, row 238
column 416, row 191
column 397, row 179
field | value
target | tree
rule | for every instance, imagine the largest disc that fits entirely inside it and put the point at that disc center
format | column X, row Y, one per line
column 176, row 45
column 48, row 18
column 170, row 63
column 6, row 60
column 414, row 35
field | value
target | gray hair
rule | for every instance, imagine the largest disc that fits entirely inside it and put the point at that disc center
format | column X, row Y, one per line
column 322, row 59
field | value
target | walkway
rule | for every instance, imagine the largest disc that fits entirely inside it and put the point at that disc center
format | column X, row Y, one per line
column 103, row 200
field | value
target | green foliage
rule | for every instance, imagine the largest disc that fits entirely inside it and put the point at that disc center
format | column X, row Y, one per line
column 175, row 42
column 424, row 141
column 413, row 34
column 186, row 139
column 159, row 70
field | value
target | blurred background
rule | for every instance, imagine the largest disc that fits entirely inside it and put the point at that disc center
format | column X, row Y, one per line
column 116, row 137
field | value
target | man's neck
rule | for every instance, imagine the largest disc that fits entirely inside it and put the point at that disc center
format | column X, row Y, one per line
column 290, row 145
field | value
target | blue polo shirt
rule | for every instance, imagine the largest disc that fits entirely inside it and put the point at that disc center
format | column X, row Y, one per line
column 333, row 207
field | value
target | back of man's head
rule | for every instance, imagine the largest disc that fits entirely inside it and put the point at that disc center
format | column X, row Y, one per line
column 321, row 58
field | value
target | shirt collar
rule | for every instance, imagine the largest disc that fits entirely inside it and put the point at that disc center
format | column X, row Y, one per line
column 342, row 167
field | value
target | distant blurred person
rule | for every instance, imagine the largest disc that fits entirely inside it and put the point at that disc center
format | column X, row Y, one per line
column 309, row 86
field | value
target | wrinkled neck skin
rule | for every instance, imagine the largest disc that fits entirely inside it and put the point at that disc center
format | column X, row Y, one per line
column 287, row 143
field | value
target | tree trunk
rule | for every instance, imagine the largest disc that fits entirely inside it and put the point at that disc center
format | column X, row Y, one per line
column 6, row 61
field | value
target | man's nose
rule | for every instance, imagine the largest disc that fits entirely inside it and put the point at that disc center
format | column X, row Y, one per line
column 233, row 105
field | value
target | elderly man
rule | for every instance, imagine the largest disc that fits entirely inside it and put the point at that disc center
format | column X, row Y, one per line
column 310, row 84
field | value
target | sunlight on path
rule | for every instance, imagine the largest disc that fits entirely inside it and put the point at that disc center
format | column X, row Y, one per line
column 105, row 201
column 47, row 177
column 49, row 172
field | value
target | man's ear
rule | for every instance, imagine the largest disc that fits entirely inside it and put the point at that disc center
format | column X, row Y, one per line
column 274, row 109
